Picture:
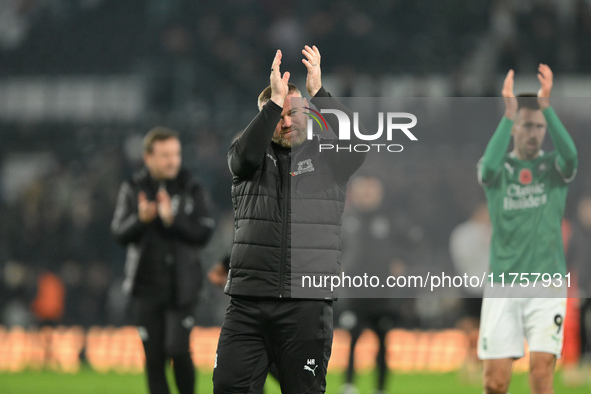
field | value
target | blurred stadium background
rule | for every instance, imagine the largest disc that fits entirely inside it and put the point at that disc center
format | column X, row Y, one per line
column 81, row 81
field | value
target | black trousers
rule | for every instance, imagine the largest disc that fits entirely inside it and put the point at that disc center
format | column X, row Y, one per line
column 165, row 332
column 295, row 335
column 379, row 315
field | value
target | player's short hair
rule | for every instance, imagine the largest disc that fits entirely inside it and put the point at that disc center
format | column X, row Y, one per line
column 158, row 133
column 265, row 95
column 528, row 100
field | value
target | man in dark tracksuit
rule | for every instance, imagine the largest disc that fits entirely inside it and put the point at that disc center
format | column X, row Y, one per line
column 162, row 218
column 288, row 200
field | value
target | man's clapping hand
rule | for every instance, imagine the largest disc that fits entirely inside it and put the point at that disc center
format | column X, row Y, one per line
column 147, row 210
column 162, row 207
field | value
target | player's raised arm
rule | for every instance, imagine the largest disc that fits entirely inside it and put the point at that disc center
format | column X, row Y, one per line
column 312, row 63
column 247, row 153
column 346, row 162
column 492, row 160
column 567, row 160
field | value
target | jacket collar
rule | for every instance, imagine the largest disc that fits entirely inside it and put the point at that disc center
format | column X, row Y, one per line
column 144, row 176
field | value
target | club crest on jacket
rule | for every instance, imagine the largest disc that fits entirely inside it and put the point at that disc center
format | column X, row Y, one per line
column 303, row 167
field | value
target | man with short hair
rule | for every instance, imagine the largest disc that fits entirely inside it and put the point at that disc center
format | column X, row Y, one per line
column 288, row 200
column 526, row 193
column 162, row 217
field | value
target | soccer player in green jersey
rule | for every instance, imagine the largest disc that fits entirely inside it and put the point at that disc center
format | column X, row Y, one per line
column 526, row 194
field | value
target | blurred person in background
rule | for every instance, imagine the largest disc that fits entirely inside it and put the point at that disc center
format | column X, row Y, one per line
column 526, row 192
column 17, row 286
column 50, row 302
column 469, row 246
column 372, row 245
column 579, row 261
column 162, row 216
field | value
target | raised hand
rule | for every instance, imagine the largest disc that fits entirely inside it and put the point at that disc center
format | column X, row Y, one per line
column 147, row 210
column 509, row 96
column 279, row 88
column 546, row 80
column 165, row 207
column 312, row 63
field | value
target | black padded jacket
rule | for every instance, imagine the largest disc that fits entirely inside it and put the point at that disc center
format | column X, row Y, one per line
column 288, row 205
column 163, row 259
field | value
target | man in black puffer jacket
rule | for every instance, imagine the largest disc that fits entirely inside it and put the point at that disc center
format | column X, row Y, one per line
column 288, row 200
column 163, row 219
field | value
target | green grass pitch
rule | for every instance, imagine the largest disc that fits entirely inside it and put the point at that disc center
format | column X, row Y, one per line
column 88, row 381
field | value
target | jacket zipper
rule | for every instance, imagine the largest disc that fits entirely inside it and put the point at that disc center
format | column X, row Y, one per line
column 286, row 180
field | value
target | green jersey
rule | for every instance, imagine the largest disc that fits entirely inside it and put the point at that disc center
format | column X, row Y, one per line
column 526, row 201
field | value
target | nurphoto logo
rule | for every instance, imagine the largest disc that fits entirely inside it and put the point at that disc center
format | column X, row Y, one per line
column 394, row 124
